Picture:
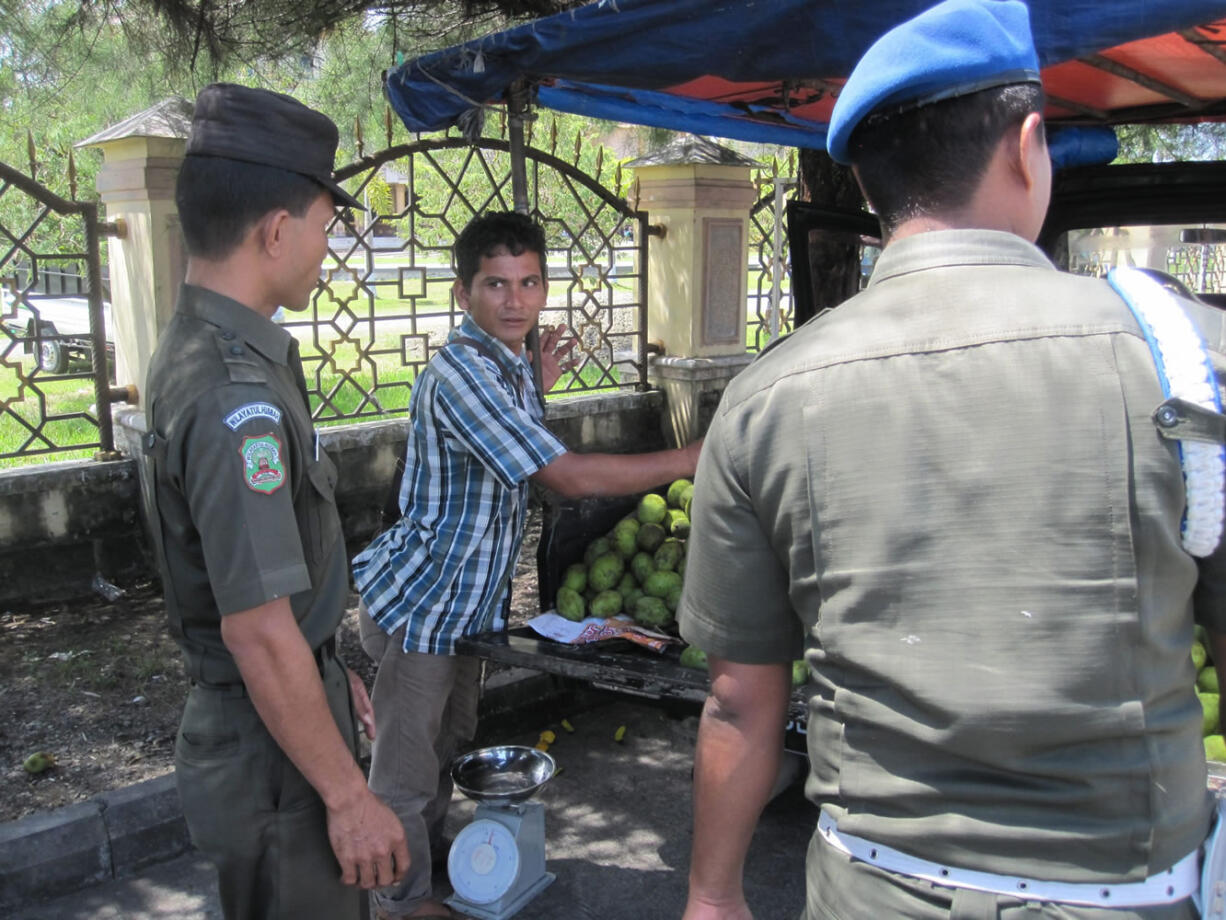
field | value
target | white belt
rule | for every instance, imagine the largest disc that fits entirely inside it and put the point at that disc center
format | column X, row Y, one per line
column 1175, row 884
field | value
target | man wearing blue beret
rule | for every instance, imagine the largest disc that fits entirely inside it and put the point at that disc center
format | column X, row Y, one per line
column 952, row 493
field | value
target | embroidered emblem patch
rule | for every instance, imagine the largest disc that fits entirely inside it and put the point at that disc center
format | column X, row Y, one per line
column 253, row 410
column 262, row 467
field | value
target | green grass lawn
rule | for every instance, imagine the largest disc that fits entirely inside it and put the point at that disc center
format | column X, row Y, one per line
column 58, row 413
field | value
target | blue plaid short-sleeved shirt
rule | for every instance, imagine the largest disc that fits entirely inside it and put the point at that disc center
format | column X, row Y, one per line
column 445, row 568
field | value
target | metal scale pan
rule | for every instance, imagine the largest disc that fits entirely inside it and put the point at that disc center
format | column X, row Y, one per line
column 497, row 863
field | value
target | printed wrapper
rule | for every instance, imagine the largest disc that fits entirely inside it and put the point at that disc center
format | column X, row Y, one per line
column 594, row 629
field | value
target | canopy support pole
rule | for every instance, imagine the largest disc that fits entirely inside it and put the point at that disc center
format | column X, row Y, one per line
column 780, row 243
column 517, row 114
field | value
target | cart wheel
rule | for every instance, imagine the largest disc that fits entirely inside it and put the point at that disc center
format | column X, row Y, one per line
column 52, row 356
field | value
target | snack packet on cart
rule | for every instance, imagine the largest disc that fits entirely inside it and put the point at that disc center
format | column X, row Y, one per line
column 594, row 629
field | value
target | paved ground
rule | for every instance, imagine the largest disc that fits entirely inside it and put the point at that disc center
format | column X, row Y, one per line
column 617, row 829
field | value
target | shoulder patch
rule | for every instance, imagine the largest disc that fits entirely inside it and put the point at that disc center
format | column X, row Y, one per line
column 263, row 470
column 250, row 411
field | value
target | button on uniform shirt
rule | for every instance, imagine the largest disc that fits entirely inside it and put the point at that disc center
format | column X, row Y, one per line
column 951, row 491
column 444, row 570
column 244, row 497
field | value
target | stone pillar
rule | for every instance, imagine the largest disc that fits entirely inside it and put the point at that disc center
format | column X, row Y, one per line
column 141, row 158
column 699, row 195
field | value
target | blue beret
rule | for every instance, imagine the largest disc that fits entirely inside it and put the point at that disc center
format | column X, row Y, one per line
column 954, row 48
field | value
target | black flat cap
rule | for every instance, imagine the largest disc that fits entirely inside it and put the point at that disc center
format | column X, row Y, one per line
column 269, row 129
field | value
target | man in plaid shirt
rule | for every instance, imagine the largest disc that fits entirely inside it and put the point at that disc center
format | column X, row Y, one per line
column 444, row 570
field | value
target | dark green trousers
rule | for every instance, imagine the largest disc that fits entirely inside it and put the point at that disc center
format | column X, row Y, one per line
column 252, row 813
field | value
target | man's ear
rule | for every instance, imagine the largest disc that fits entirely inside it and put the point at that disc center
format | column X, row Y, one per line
column 271, row 232
column 461, row 294
column 1031, row 145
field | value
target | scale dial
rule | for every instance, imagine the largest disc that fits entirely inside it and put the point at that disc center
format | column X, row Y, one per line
column 484, row 862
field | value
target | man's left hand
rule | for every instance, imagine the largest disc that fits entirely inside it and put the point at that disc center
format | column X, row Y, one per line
column 362, row 707
column 556, row 354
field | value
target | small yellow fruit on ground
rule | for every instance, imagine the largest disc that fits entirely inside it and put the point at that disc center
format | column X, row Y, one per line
column 38, row 762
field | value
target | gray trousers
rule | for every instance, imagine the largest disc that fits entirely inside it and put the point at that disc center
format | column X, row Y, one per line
column 425, row 709
column 252, row 813
column 840, row 888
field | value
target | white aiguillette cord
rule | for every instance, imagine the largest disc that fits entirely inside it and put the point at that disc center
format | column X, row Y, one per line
column 1186, row 373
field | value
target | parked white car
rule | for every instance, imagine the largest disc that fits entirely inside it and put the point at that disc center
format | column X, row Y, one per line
column 55, row 329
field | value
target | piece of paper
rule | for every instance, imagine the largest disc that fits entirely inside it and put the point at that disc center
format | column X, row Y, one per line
column 594, row 629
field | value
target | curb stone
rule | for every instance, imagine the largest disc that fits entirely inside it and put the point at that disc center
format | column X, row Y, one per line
column 107, row 836
column 115, row 833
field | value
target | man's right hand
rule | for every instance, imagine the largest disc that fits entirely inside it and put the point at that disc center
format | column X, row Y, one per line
column 368, row 840
column 285, row 687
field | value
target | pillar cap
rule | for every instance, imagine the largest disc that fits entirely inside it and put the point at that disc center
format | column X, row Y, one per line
column 692, row 150
column 171, row 118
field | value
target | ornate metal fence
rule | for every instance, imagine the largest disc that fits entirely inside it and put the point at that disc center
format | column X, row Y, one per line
column 385, row 302
column 1195, row 256
column 1200, row 265
column 770, row 290
column 54, row 387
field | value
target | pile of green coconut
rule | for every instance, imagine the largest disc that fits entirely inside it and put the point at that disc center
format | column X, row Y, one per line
column 638, row 567
column 1207, row 692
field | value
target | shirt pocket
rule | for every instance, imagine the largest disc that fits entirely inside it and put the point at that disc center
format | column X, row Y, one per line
column 323, row 522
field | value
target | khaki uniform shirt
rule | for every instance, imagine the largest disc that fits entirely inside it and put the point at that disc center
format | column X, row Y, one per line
column 244, row 496
column 951, row 491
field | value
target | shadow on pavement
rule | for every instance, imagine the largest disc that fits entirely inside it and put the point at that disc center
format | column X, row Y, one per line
column 617, row 823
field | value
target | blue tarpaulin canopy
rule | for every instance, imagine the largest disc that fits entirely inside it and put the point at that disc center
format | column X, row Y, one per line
column 769, row 70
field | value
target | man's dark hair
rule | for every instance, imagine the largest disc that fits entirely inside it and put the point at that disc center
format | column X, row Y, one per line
column 489, row 234
column 930, row 159
column 220, row 200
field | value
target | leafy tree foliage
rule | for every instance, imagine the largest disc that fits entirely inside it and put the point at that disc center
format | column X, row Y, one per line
column 1164, row 143
column 60, row 82
column 221, row 30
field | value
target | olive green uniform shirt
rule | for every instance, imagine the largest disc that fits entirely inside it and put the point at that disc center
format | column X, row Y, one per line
column 951, row 491
column 244, row 496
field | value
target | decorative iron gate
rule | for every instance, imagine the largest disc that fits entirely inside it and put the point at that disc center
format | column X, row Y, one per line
column 1200, row 262
column 385, row 304
column 770, row 292
column 47, row 406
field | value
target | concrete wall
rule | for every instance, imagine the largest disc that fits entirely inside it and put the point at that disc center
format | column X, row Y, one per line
column 61, row 524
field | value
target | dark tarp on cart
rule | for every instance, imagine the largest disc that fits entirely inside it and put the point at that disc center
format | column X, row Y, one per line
column 769, row 70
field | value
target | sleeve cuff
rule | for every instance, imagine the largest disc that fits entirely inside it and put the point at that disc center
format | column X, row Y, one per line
column 272, row 585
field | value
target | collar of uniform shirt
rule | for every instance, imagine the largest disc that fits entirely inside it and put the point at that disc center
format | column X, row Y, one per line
column 508, row 360
column 945, row 248
column 260, row 333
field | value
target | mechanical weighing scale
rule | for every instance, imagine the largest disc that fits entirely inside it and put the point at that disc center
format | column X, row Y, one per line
column 497, row 863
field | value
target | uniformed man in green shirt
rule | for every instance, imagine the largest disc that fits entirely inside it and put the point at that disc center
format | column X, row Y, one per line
column 247, row 532
column 952, row 493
